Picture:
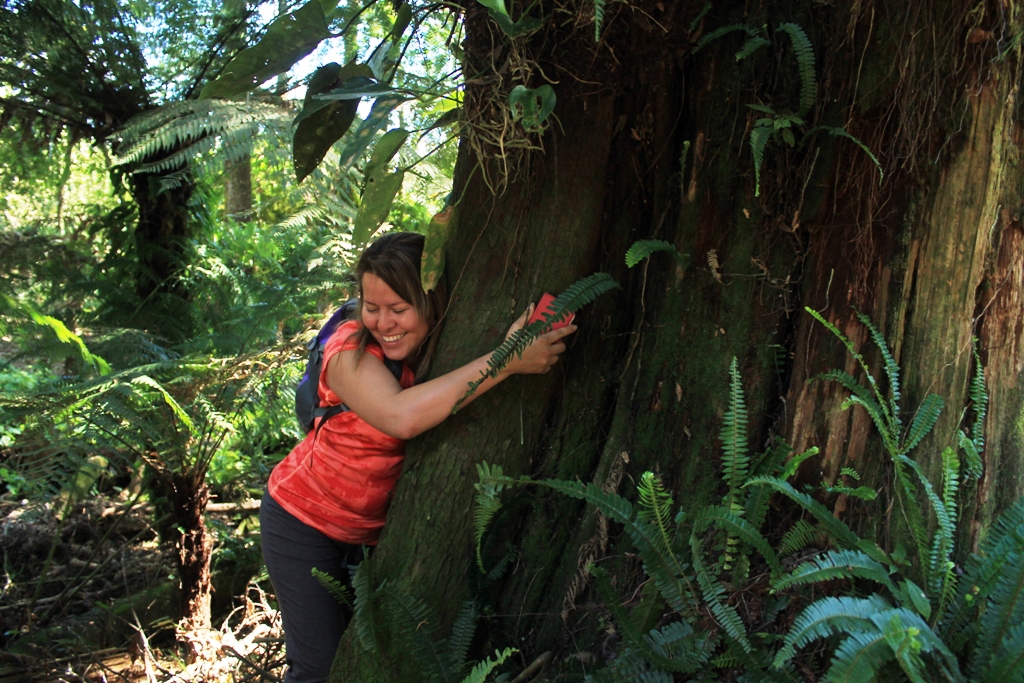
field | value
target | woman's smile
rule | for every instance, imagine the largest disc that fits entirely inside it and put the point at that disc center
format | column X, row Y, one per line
column 391, row 320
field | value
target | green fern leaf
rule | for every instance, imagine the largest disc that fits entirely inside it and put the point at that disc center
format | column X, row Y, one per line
column 759, row 136
column 1008, row 662
column 835, row 528
column 656, row 509
column 859, row 658
column 830, row 616
column 336, row 588
column 927, row 416
column 483, row 669
column 1004, row 611
column 741, row 529
column 718, row 33
column 751, row 45
column 837, row 564
column 364, row 617
column 579, row 294
column 462, row 634
column 598, row 18
column 711, row 588
column 642, row 249
column 797, row 537
column 837, row 132
column 805, row 61
column 491, row 483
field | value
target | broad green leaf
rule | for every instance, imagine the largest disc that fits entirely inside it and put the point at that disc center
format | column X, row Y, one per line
column 432, row 262
column 358, row 90
column 376, row 204
column 918, row 598
column 495, row 6
column 514, row 29
column 360, row 139
column 531, row 106
column 386, row 149
column 288, row 39
column 322, row 122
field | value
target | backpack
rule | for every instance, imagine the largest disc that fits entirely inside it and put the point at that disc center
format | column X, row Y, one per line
column 307, row 399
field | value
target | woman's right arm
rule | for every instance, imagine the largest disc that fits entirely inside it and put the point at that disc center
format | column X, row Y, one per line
column 372, row 392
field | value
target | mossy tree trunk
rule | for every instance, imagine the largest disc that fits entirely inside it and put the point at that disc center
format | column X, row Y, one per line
column 651, row 142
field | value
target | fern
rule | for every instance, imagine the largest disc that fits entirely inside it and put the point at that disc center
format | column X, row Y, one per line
column 483, row 669
column 805, row 61
column 491, row 482
column 927, row 416
column 834, row 527
column 462, row 634
column 759, row 136
column 838, row 132
column 830, row 616
column 838, row 564
column 579, row 294
column 735, row 459
column 711, row 588
column 718, row 33
column 751, row 45
column 656, row 510
column 599, row 6
column 797, row 537
column 204, row 132
column 642, row 249
column 336, row 588
column 363, row 608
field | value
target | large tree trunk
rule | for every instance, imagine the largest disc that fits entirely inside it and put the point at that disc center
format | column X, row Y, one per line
column 652, row 143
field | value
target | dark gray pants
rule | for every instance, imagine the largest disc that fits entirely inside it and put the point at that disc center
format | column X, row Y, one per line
column 313, row 619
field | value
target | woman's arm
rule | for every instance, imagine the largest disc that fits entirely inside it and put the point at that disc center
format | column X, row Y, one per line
column 372, row 392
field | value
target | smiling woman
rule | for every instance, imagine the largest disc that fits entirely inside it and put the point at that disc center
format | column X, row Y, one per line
column 330, row 495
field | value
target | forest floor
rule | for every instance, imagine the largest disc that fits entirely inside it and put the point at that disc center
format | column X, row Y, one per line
column 91, row 595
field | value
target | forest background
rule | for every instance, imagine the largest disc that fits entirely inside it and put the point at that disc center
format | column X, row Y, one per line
column 807, row 208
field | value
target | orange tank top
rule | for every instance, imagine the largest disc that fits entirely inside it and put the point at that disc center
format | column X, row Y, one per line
column 339, row 481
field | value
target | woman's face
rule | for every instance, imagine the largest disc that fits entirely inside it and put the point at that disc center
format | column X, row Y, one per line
column 392, row 321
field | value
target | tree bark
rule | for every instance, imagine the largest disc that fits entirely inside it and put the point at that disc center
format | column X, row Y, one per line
column 651, row 142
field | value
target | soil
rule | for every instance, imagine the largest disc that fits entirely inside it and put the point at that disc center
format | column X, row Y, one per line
column 94, row 597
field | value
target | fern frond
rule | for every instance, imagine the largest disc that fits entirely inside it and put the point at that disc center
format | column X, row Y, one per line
column 830, row 616
column 979, row 398
column 1002, row 546
column 630, row 632
column 1008, row 662
column 835, row 528
column 805, row 61
column 678, row 643
column 656, row 509
column 484, row 668
column 738, row 528
column 642, row 249
column 859, row 658
column 579, row 294
column 1004, row 610
column 751, row 45
column 598, row 18
column 629, row 667
column 713, row 592
column 927, row 416
column 462, row 634
column 838, row 132
column 837, row 564
column 491, row 482
column 718, row 33
column 759, row 136
column 735, row 459
column 666, row 570
column 892, row 369
column 797, row 537
column 364, row 617
column 938, row 560
column 336, row 588
column 410, row 619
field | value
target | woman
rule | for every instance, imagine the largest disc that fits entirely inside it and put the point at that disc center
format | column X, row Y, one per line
column 329, row 497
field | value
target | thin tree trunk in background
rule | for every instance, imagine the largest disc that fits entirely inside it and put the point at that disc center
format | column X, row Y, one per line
column 238, row 189
column 652, row 143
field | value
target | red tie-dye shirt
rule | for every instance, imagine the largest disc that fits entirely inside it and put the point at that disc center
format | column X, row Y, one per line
column 339, row 481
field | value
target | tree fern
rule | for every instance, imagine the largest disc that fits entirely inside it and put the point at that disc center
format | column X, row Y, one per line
column 579, row 294
column 805, row 62
column 202, row 132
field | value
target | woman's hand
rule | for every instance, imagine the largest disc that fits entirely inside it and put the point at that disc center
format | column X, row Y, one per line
column 542, row 354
